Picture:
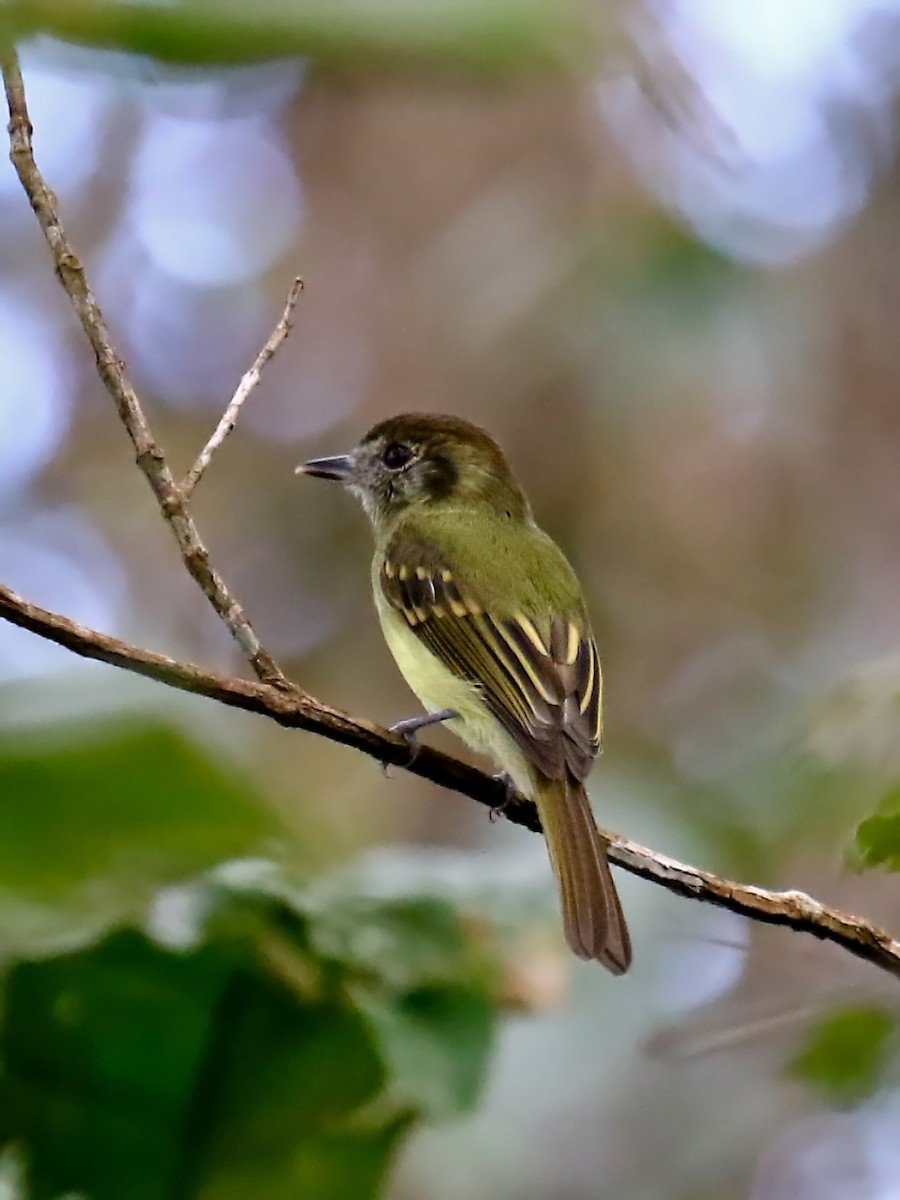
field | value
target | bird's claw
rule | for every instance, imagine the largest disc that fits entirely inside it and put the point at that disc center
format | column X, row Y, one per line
column 512, row 792
column 409, row 731
column 410, row 736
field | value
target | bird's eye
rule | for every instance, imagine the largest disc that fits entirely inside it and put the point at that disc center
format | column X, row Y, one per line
column 396, row 455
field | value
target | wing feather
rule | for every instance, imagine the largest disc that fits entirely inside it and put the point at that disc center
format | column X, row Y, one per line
column 543, row 685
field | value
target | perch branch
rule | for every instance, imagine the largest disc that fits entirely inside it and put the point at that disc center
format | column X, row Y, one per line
column 244, row 388
column 113, row 375
column 296, row 710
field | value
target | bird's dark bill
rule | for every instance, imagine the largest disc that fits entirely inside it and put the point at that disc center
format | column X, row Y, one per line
column 338, row 466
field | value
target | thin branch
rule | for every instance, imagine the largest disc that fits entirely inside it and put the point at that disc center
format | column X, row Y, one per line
column 296, row 710
column 111, row 370
column 244, row 388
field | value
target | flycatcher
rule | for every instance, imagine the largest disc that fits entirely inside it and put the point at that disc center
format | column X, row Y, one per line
column 487, row 622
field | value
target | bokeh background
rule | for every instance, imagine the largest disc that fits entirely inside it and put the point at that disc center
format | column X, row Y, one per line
column 660, row 265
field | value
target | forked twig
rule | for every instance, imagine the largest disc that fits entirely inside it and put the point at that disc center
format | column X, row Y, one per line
column 111, row 369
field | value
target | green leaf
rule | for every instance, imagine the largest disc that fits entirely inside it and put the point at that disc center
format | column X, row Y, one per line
column 92, row 825
column 287, row 1074
column 132, row 1070
column 487, row 35
column 339, row 1166
column 845, row 1055
column 406, row 942
column 437, row 1044
column 279, row 1056
column 878, row 837
column 100, row 1051
column 424, row 981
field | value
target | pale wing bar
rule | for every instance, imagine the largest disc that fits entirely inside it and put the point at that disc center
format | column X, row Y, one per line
column 546, row 693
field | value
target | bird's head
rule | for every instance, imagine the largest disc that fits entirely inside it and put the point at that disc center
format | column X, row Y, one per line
column 422, row 459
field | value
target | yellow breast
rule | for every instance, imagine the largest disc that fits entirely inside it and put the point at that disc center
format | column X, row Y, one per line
column 437, row 687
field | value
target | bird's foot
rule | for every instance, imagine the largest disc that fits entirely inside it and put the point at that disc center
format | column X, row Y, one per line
column 512, row 794
column 409, row 731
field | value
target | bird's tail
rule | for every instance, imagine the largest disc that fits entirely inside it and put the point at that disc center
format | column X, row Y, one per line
column 592, row 913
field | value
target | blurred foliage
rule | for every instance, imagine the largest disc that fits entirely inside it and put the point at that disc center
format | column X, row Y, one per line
column 846, row 1055
column 878, row 837
column 256, row 1038
column 496, row 36
column 98, row 818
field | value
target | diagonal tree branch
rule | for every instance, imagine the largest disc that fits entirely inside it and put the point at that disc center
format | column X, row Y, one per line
column 296, row 710
column 111, row 369
column 244, row 388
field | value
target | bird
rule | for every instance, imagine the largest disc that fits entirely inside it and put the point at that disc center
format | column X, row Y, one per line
column 487, row 622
